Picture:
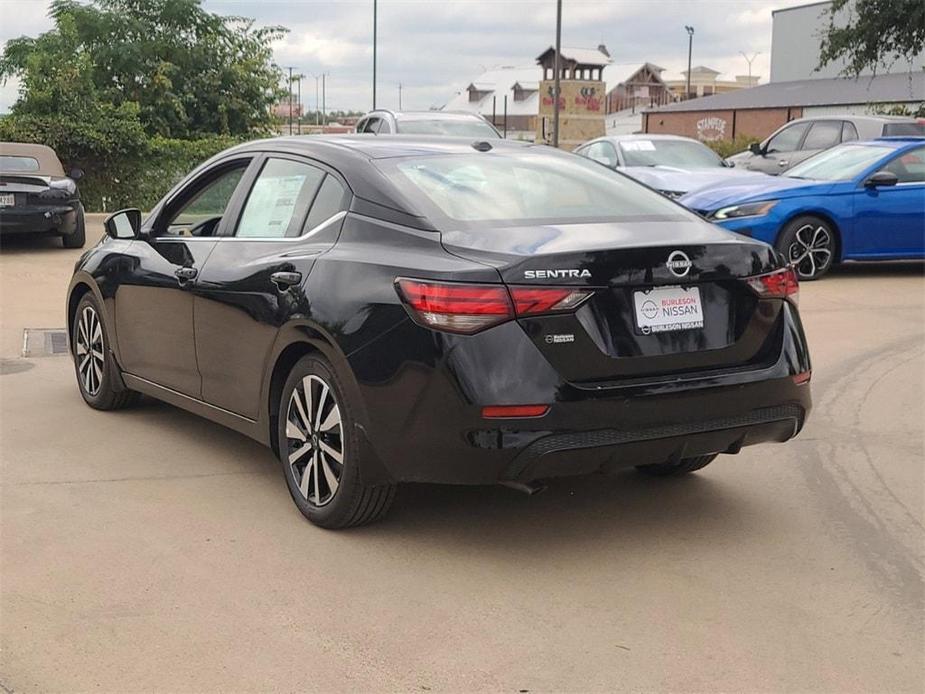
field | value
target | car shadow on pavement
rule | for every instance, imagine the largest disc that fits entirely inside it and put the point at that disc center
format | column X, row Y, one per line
column 28, row 243
column 892, row 268
column 572, row 510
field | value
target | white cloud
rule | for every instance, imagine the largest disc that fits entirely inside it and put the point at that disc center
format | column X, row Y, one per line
column 434, row 48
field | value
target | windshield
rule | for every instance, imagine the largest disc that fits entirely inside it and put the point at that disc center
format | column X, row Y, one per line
column 10, row 163
column 524, row 186
column 680, row 154
column 840, row 163
column 445, row 126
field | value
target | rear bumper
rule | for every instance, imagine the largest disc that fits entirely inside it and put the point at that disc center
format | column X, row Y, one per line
column 424, row 423
column 38, row 219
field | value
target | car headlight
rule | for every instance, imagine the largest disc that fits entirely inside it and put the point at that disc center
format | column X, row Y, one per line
column 749, row 209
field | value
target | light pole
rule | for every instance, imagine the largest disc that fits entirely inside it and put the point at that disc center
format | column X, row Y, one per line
column 299, row 102
column 375, row 32
column 556, row 63
column 399, row 96
column 690, row 48
column 749, row 61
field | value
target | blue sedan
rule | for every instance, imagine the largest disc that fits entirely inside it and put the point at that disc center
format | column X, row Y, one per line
column 857, row 201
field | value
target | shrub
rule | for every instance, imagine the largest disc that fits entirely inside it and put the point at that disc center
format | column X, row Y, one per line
column 726, row 148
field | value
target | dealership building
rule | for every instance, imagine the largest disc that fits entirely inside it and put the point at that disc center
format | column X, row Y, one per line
column 796, row 89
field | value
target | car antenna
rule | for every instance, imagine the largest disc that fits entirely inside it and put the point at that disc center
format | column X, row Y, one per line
column 481, row 146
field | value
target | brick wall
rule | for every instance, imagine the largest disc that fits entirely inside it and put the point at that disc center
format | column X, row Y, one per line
column 720, row 125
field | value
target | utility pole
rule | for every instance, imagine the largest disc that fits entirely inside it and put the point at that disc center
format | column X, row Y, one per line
column 399, row 96
column 299, row 102
column 324, row 112
column 375, row 31
column 317, row 103
column 690, row 48
column 749, row 61
column 290, row 99
column 556, row 64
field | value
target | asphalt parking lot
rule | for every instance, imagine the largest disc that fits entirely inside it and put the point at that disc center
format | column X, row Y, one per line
column 151, row 550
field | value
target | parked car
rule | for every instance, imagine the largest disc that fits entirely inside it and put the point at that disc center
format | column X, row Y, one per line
column 800, row 139
column 857, row 201
column 35, row 195
column 452, row 123
column 394, row 309
column 671, row 164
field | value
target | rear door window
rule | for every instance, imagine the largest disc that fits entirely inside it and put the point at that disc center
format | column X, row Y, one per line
column 330, row 199
column 279, row 199
column 848, row 132
column 823, row 134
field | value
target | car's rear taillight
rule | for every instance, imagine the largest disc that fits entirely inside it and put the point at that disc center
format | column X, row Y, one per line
column 456, row 307
column 531, row 301
column 780, row 284
column 468, row 308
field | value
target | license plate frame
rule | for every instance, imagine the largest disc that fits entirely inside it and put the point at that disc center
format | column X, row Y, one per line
column 7, row 200
column 667, row 309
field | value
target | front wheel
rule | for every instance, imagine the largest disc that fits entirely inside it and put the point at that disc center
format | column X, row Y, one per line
column 96, row 371
column 321, row 453
column 809, row 244
column 680, row 467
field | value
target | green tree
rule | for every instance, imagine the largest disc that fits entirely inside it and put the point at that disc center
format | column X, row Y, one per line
column 877, row 32
column 190, row 72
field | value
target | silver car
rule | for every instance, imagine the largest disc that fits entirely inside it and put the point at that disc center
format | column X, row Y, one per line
column 802, row 138
column 671, row 164
column 450, row 123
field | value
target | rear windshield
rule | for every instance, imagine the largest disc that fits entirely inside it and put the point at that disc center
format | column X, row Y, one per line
column 903, row 129
column 10, row 163
column 675, row 153
column 538, row 186
column 458, row 128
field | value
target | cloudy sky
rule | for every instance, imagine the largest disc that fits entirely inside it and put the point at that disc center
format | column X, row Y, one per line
column 436, row 47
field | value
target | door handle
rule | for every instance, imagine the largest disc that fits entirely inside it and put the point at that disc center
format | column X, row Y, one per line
column 186, row 274
column 782, row 162
column 285, row 280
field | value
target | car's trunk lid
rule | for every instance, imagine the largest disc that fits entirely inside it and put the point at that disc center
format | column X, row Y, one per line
column 626, row 264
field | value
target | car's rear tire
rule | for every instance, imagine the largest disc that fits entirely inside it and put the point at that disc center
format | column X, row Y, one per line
column 78, row 238
column 809, row 243
column 320, row 451
column 680, row 467
column 97, row 376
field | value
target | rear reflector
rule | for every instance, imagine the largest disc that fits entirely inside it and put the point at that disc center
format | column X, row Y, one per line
column 802, row 378
column 781, row 284
column 469, row 308
column 507, row 411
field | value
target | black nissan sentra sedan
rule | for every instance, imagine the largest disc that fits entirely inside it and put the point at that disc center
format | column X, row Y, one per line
column 383, row 310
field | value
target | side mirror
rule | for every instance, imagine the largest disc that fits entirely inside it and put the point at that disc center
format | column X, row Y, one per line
column 76, row 174
column 881, row 178
column 755, row 148
column 123, row 224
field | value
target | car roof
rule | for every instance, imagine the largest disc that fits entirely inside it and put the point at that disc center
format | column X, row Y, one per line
column 645, row 136
column 353, row 146
column 49, row 164
column 427, row 115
